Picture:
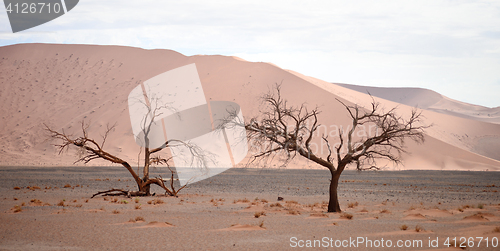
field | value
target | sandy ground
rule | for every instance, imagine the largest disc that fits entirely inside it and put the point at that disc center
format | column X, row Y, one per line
column 220, row 213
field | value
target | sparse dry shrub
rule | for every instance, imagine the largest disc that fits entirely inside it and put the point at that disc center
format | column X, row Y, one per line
column 78, row 205
column 137, row 207
column 136, row 200
column 385, row 211
column 261, row 224
column 35, row 188
column 291, row 202
column 496, row 230
column 418, row 228
column 15, row 198
column 23, row 204
column 293, row 212
column 131, row 220
column 123, row 202
column 106, row 198
column 102, row 209
column 139, row 218
column 61, row 203
column 87, row 201
column 465, row 206
column 258, row 214
column 384, row 203
column 67, row 186
column 150, row 202
column 74, row 201
column 116, row 211
column 335, row 223
column 17, row 188
column 114, row 200
column 37, row 202
column 403, row 227
column 460, row 209
column 480, row 206
column 345, row 215
column 364, row 210
column 412, row 207
column 277, row 204
column 245, row 200
column 263, row 201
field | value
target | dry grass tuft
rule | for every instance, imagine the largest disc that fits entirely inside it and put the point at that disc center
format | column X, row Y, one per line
column 78, row 205
column 137, row 207
column 403, row 227
column 496, row 230
column 293, row 212
column 346, row 216
column 116, row 211
column 17, row 188
column 114, row 200
column 261, row 224
column 258, row 214
column 263, row 201
column 67, row 186
column 385, row 211
column 291, row 202
column 17, row 209
column 139, row 218
column 87, row 201
column 123, row 202
column 136, row 200
column 480, row 206
column 245, row 200
column 322, row 215
column 418, row 228
column 412, row 207
column 352, row 205
column 61, row 203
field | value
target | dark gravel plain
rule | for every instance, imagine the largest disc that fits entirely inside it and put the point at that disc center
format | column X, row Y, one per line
column 409, row 186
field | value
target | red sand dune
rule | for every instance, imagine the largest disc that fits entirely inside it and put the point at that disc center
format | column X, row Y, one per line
column 60, row 85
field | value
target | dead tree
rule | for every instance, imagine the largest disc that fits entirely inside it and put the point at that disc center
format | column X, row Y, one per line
column 289, row 130
column 91, row 149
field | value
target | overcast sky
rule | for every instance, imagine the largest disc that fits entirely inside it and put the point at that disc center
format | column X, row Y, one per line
column 452, row 47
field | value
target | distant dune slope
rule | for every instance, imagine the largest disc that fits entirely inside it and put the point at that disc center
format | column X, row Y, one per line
column 61, row 85
column 431, row 100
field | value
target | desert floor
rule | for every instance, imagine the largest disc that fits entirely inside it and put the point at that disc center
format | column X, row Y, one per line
column 238, row 210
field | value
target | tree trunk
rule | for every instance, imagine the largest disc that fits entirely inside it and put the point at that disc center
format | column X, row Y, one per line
column 333, row 204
